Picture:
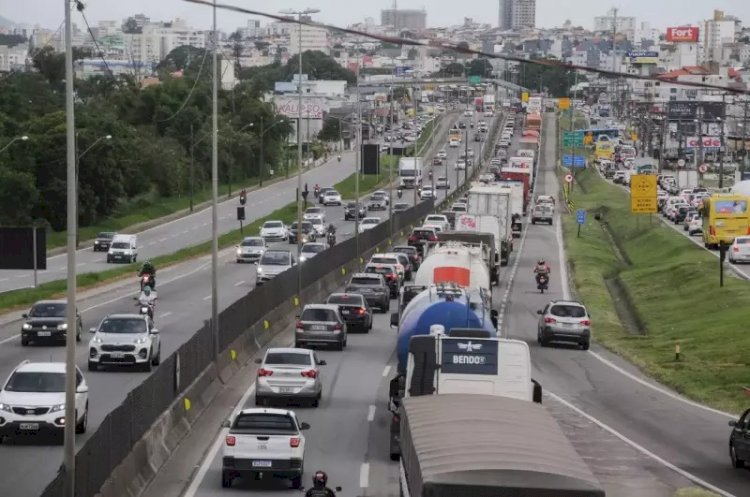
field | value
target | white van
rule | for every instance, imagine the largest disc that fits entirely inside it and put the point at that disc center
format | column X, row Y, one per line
column 124, row 248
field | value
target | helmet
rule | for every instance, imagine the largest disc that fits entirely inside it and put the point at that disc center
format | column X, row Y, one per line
column 540, row 262
column 320, row 478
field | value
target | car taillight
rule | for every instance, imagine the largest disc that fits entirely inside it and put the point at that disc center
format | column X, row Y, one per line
column 550, row 320
column 294, row 442
column 299, row 325
column 264, row 372
column 736, row 248
column 711, row 230
column 586, row 322
column 361, row 311
column 396, row 418
column 432, row 238
column 391, row 276
column 231, row 441
column 413, row 238
column 339, row 327
column 311, row 373
column 748, row 230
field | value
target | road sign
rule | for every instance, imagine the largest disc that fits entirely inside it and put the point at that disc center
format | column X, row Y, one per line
column 568, row 178
column 588, row 139
column 643, row 194
column 573, row 139
column 681, row 162
column 563, row 103
column 475, row 80
column 525, row 97
column 581, row 216
column 577, row 161
column 702, row 168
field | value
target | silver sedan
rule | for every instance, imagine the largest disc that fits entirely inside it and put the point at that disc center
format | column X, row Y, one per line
column 289, row 374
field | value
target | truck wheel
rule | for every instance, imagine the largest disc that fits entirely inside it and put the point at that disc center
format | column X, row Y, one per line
column 395, row 456
column 296, row 482
column 226, row 479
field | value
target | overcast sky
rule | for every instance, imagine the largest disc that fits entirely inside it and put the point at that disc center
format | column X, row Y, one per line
column 660, row 13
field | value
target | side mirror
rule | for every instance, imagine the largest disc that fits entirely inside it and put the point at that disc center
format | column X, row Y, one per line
column 82, row 388
column 322, row 363
column 154, row 331
column 258, row 361
column 92, row 330
column 394, row 387
column 394, row 320
column 540, row 312
column 304, row 426
column 226, row 424
column 338, row 489
column 25, row 315
column 537, row 394
column 733, row 423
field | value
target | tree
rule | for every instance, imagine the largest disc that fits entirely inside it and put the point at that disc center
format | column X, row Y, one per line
column 50, row 64
column 17, row 192
column 413, row 54
column 454, row 69
column 130, row 26
column 555, row 79
column 480, row 67
column 318, row 65
column 331, row 131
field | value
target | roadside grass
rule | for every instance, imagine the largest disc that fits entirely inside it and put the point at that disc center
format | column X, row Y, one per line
column 367, row 183
column 670, row 290
column 22, row 298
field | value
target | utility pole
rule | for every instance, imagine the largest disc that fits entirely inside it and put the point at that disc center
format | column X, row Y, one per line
column 466, row 154
column 357, row 165
column 192, row 166
column 215, row 190
column 699, row 157
column 662, row 140
column 414, row 101
column 390, row 166
column 722, row 152
column 69, row 442
column 614, row 53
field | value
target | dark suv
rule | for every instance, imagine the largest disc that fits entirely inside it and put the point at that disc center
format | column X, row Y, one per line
column 411, row 253
column 389, row 272
column 351, row 209
column 308, row 232
column 373, row 288
column 354, row 309
column 103, row 241
column 421, row 235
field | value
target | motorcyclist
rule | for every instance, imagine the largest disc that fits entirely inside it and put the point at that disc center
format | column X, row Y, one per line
column 331, row 229
column 320, row 480
column 399, row 192
column 542, row 268
column 150, row 269
column 316, row 190
column 148, row 298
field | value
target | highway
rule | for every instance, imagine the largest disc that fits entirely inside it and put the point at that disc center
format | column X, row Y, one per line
column 184, row 302
column 638, row 438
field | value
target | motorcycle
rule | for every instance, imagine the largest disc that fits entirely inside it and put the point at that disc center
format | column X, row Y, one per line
column 145, row 308
column 331, row 239
column 316, row 192
column 542, row 281
column 430, row 174
column 147, row 280
column 400, row 192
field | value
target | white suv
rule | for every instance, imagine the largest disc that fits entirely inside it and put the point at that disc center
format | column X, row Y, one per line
column 125, row 339
column 32, row 401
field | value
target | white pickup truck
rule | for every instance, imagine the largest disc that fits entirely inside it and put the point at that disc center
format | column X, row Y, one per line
column 264, row 442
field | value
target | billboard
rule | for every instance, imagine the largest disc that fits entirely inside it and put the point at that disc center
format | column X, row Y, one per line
column 643, row 57
column 687, row 110
column 643, row 198
column 709, row 142
column 289, row 106
column 17, row 248
column 683, row 34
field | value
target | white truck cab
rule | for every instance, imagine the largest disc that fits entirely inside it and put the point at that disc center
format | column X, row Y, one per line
column 124, row 248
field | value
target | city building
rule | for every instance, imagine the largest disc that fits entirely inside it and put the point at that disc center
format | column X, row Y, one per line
column 401, row 19
column 624, row 25
column 517, row 14
column 252, row 30
column 312, row 39
column 156, row 40
column 718, row 31
column 12, row 58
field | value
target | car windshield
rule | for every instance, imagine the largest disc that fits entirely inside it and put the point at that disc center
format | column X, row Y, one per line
column 405, row 250
column 361, row 280
column 314, row 248
column 568, row 311
column 35, row 381
column 316, row 221
column 120, row 245
column 423, row 233
column 385, row 260
column 379, row 269
column 439, row 219
column 370, row 221
column 292, row 358
column 742, row 241
column 318, row 314
column 252, row 242
column 331, row 193
column 272, row 224
column 48, row 311
column 275, row 259
column 264, row 422
column 123, row 326
column 105, row 234
column 346, row 299
column 314, row 210
column 306, row 226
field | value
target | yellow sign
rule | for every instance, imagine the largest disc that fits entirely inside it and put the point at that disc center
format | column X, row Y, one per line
column 643, row 194
column 588, row 139
column 525, row 96
column 563, row 103
column 634, row 137
column 604, row 150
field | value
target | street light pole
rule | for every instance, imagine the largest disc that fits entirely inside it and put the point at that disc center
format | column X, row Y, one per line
column 192, row 166
column 390, row 166
column 262, row 163
column 22, row 138
column 78, row 181
column 215, row 192
column 69, row 457
column 357, row 166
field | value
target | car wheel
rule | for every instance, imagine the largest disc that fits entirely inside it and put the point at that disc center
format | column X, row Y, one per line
column 226, row 479
column 157, row 358
column 83, row 424
column 93, row 366
column 146, row 366
column 296, row 482
column 585, row 345
column 736, row 462
column 78, row 334
column 395, row 456
column 24, row 342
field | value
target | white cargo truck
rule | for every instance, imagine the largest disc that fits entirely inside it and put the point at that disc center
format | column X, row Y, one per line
column 489, row 210
column 410, row 172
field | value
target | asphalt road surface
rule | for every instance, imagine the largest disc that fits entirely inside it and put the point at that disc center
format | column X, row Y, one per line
column 184, row 303
column 348, row 435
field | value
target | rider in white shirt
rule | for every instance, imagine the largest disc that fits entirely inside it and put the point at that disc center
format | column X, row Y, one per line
column 148, row 298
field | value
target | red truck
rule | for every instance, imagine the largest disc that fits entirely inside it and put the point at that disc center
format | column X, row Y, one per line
column 533, row 121
column 509, row 173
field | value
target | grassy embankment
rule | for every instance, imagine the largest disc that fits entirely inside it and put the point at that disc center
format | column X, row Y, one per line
column 24, row 297
column 650, row 289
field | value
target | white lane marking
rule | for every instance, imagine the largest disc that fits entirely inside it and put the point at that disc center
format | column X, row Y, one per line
column 511, row 278
column 207, row 297
column 364, row 475
column 563, row 261
column 162, row 239
column 23, row 275
column 371, row 414
column 640, row 448
column 81, row 264
column 240, row 283
column 386, row 370
column 165, row 314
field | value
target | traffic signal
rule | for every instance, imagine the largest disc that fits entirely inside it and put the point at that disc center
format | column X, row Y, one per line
column 243, row 198
column 240, row 213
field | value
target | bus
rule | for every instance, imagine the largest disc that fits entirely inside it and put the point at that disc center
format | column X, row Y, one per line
column 725, row 216
column 456, row 134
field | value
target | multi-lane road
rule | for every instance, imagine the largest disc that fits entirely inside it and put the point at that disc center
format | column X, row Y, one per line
column 184, row 302
column 638, row 437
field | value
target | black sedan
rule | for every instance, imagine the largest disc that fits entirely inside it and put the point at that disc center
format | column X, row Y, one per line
column 351, row 208
column 354, row 310
column 46, row 321
column 308, row 232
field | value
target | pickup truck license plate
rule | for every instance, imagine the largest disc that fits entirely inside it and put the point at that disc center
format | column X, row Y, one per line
column 344, row 311
column 29, row 426
column 286, row 389
column 116, row 355
column 319, row 327
column 43, row 333
column 261, row 464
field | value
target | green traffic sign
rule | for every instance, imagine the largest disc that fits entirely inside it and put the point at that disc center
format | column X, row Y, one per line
column 573, row 139
column 475, row 80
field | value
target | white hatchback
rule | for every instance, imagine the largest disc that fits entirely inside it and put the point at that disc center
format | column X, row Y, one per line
column 368, row 223
column 739, row 251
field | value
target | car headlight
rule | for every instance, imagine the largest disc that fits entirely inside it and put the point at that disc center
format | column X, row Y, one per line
column 6, row 408
column 26, row 326
column 239, row 251
column 63, row 326
column 97, row 339
column 260, row 269
column 141, row 340
column 57, row 408
column 302, row 258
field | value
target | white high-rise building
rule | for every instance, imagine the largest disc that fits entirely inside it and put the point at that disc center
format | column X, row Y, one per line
column 717, row 32
column 624, row 24
column 312, row 39
column 517, row 14
column 158, row 39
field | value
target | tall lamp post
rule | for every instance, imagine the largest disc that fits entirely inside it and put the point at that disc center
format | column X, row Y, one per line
column 14, row 140
column 261, row 134
column 78, row 180
column 215, row 189
column 299, row 14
